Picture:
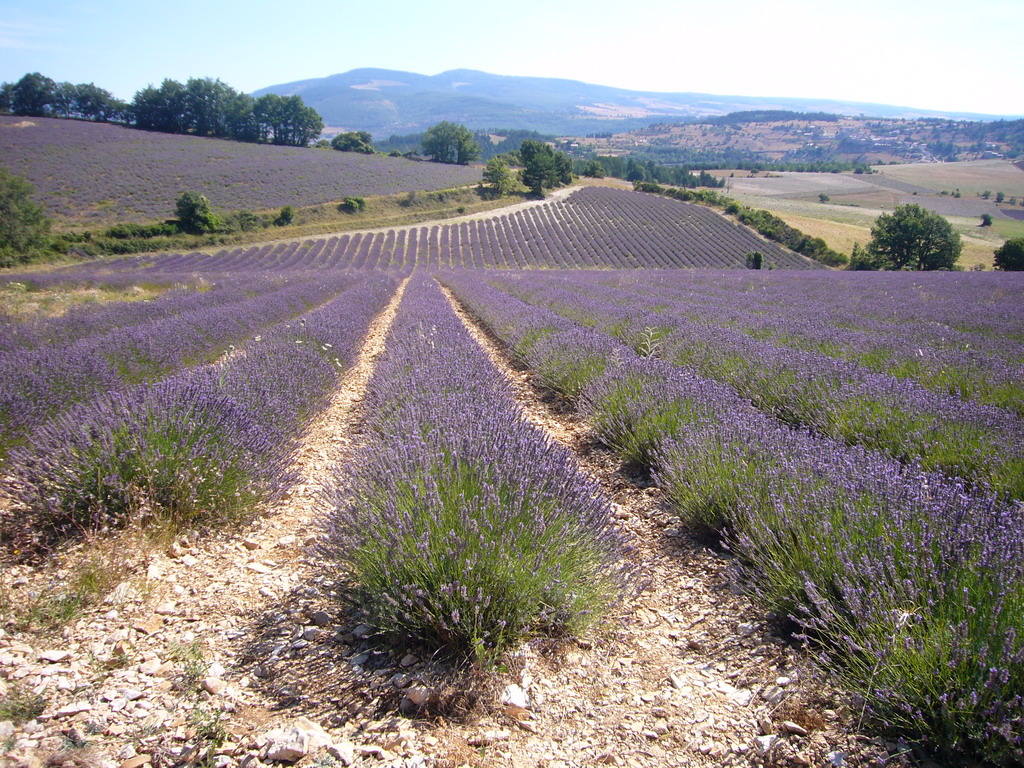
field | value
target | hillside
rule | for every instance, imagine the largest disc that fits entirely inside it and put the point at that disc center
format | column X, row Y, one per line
column 387, row 102
column 591, row 227
column 789, row 137
column 98, row 174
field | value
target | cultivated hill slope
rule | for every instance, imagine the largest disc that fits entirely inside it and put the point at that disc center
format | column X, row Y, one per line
column 591, row 228
column 387, row 102
column 99, row 174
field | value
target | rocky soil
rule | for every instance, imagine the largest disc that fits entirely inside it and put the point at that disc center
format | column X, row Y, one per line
column 245, row 650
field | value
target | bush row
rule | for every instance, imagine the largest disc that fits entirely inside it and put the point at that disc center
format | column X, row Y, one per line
column 836, row 398
column 36, row 384
column 768, row 224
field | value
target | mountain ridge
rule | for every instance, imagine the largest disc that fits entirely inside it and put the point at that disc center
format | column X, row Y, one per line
column 386, row 101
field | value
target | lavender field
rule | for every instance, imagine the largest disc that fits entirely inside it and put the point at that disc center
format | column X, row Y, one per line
column 593, row 228
column 94, row 174
column 855, row 441
column 885, row 520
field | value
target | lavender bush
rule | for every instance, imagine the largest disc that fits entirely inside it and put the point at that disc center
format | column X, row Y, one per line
column 37, row 384
column 594, row 229
column 176, row 451
column 834, row 397
column 911, row 327
column 180, row 294
column 465, row 527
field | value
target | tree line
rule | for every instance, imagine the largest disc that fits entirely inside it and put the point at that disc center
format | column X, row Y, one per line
column 766, row 223
column 200, row 107
column 634, row 169
column 492, row 141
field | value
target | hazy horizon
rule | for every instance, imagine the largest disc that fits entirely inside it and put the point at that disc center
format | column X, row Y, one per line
column 935, row 56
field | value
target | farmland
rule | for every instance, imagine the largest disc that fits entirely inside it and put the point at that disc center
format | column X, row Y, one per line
column 485, row 452
column 97, row 175
column 561, row 482
column 593, row 227
column 854, row 201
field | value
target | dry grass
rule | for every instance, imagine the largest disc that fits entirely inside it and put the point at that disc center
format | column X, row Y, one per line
column 839, row 236
column 76, row 578
column 798, row 184
column 842, row 226
column 385, row 212
column 394, row 210
column 970, row 178
column 18, row 300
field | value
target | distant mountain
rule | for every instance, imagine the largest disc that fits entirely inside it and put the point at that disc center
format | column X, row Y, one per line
column 386, row 102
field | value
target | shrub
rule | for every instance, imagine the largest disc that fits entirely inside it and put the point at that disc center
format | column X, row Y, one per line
column 863, row 260
column 244, row 221
column 24, row 228
column 178, row 451
column 20, row 704
column 130, row 231
column 1009, row 257
column 355, row 204
column 464, row 527
column 194, row 213
column 466, row 554
column 286, row 216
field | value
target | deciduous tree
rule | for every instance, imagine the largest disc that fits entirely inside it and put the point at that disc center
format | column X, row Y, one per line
column 1009, row 257
column 498, row 176
column 450, row 143
column 195, row 214
column 862, row 260
column 353, row 141
column 32, row 95
column 24, row 228
column 543, row 167
column 914, row 238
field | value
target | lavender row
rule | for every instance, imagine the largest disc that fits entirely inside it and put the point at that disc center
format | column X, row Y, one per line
column 909, row 583
column 593, row 228
column 836, row 398
column 464, row 526
column 808, row 313
column 205, row 446
column 37, row 384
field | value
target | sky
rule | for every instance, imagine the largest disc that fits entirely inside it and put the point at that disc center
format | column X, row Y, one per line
column 943, row 55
